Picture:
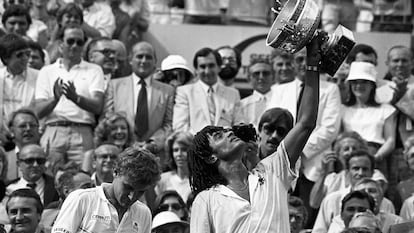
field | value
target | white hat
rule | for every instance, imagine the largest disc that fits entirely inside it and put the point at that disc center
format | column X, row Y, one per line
column 362, row 70
column 174, row 62
column 166, row 217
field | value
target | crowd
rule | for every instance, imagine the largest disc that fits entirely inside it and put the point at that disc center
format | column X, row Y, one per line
column 96, row 138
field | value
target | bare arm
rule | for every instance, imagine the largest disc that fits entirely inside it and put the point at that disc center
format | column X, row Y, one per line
column 45, row 106
column 389, row 135
column 94, row 104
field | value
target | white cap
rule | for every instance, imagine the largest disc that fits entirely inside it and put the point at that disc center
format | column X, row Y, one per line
column 174, row 62
column 166, row 217
column 362, row 71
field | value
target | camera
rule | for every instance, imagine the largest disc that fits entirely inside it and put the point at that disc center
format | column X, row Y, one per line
column 245, row 132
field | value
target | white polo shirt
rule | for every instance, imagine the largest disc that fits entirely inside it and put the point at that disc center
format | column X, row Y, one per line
column 220, row 210
column 88, row 210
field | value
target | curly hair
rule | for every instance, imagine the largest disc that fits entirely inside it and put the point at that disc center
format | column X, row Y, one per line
column 170, row 193
column 202, row 174
column 182, row 138
column 103, row 129
column 139, row 165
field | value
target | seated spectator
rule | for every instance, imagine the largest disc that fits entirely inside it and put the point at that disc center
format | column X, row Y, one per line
column 175, row 71
column 168, row 221
column 171, row 201
column 24, row 209
column 231, row 63
column 37, row 56
column 105, row 158
column 297, row 214
column 31, row 162
column 176, row 179
column 98, row 19
column 366, row 221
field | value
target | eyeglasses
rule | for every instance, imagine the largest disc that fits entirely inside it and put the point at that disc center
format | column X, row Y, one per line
column 21, row 53
column 31, row 161
column 72, row 41
column 106, row 52
column 106, row 156
column 25, row 125
column 166, row 207
column 264, row 73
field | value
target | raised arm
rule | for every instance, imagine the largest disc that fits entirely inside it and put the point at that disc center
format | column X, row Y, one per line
column 296, row 139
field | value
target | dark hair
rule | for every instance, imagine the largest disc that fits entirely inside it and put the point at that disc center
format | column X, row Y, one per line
column 70, row 8
column 27, row 111
column 360, row 48
column 16, row 10
column 360, row 153
column 204, row 52
column 36, row 46
column 170, row 193
column 92, row 44
column 359, row 194
column 61, row 33
column 276, row 115
column 29, row 193
column 297, row 203
column 139, row 165
column 64, row 180
column 371, row 98
column 202, row 174
column 184, row 138
column 9, row 44
column 236, row 52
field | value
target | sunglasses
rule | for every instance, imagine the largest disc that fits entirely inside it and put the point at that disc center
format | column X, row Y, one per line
column 31, row 161
column 22, row 53
column 105, row 52
column 166, row 207
column 107, row 156
column 72, row 41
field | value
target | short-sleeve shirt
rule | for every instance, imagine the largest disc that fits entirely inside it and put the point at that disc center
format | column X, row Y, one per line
column 220, row 210
column 88, row 78
column 88, row 210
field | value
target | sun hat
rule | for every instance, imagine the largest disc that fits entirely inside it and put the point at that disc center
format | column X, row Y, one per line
column 165, row 218
column 174, row 62
column 362, row 71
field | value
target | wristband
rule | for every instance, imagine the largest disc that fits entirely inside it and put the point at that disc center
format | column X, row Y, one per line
column 312, row 68
column 78, row 99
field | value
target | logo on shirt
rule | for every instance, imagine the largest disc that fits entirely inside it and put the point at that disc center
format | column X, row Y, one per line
column 101, row 218
column 135, row 225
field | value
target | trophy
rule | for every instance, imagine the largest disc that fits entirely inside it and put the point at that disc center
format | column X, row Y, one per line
column 296, row 25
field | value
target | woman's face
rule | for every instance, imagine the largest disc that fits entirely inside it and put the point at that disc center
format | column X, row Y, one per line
column 69, row 18
column 180, row 154
column 172, row 204
column 119, row 133
column 177, row 77
column 361, row 88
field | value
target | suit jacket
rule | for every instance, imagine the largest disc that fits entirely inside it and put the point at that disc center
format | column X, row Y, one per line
column 191, row 108
column 160, row 109
column 327, row 124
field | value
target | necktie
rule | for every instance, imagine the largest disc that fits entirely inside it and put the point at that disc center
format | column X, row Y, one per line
column 141, row 117
column 301, row 87
column 31, row 185
column 211, row 105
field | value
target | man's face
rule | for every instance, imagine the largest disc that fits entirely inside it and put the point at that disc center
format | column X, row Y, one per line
column 297, row 220
column 271, row 135
column 17, row 25
column 72, row 45
column 126, row 193
column 373, row 190
column 32, row 161
column 207, row 69
column 17, row 62
column 353, row 206
column 359, row 167
column 283, row 68
column 399, row 63
column 225, row 144
column 371, row 58
column 106, row 157
column 25, row 129
column 143, row 60
column 346, row 147
column 69, row 18
column 103, row 54
column 229, row 67
column 23, row 215
column 299, row 63
column 261, row 77
column 82, row 181
column 35, row 59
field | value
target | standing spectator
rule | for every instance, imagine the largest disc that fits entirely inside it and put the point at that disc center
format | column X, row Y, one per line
column 206, row 102
column 98, row 19
column 31, row 161
column 148, row 103
column 231, row 63
column 17, row 81
column 69, row 93
column 261, row 77
column 37, row 56
column 117, row 203
column 283, row 66
column 175, row 71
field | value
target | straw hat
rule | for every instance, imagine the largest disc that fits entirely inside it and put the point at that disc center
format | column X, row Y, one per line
column 165, row 218
column 362, row 71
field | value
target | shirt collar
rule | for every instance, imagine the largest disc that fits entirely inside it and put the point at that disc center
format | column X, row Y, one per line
column 11, row 76
column 259, row 96
column 136, row 79
column 38, row 182
column 206, row 87
column 59, row 63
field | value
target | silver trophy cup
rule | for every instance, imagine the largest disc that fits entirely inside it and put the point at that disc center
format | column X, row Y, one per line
column 296, row 25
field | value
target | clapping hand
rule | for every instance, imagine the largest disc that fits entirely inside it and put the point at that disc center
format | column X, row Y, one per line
column 57, row 89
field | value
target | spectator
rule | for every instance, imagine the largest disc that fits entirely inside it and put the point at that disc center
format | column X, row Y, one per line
column 282, row 66
column 105, row 158
column 69, row 93
column 135, row 172
column 261, row 77
column 122, row 68
column 248, row 12
column 167, row 221
column 336, row 12
column 37, row 56
column 223, row 201
column 297, row 214
column 405, row 187
column 175, row 71
column 148, row 103
column 24, row 129
column 375, row 123
column 206, row 102
column 31, row 161
column 24, row 209
column 170, row 200
column 177, row 145
column 204, row 11
column 98, row 19
column 18, row 81
column 366, row 221
column 231, row 63
column 122, row 21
